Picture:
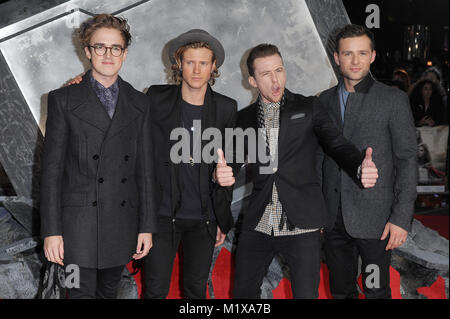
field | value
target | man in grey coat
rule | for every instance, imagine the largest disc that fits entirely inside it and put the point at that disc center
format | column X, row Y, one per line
column 367, row 222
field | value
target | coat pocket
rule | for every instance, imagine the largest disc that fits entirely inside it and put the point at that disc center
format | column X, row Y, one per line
column 297, row 119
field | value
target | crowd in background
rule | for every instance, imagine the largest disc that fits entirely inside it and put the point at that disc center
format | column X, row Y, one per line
column 427, row 96
column 427, row 88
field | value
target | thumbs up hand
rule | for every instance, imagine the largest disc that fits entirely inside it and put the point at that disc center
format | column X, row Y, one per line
column 223, row 174
column 369, row 171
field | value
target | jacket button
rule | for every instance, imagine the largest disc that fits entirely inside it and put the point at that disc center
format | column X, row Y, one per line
column 95, row 157
column 123, row 203
column 335, row 190
column 101, row 180
column 124, row 180
column 94, row 203
column 126, row 157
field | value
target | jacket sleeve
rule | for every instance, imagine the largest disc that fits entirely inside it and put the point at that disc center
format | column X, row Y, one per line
column 146, row 172
column 53, row 159
column 404, row 148
column 223, row 196
column 334, row 144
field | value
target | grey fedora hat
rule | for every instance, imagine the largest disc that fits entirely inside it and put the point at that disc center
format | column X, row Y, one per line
column 197, row 35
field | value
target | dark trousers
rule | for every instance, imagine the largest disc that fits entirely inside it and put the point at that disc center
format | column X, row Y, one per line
column 97, row 283
column 197, row 241
column 341, row 253
column 255, row 252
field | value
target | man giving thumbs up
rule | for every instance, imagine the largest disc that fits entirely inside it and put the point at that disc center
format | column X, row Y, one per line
column 367, row 222
column 369, row 172
column 223, row 174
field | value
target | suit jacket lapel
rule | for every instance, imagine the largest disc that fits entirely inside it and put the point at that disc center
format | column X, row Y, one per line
column 126, row 111
column 173, row 109
column 84, row 104
column 284, row 120
column 356, row 105
column 171, row 114
column 208, row 120
column 352, row 112
column 335, row 113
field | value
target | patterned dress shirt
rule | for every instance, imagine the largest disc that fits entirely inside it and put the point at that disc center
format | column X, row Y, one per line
column 107, row 96
column 271, row 219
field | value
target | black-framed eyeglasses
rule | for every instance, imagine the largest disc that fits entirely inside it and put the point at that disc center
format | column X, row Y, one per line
column 100, row 50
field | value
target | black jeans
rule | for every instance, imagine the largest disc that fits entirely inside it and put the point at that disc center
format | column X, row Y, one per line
column 197, row 240
column 255, row 252
column 97, row 283
column 341, row 253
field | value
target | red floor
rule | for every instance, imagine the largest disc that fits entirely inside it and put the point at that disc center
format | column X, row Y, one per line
column 224, row 272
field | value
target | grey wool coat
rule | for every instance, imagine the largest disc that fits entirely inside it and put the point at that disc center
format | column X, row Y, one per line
column 95, row 189
column 380, row 117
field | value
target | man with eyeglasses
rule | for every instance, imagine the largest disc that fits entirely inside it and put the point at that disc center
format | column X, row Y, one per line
column 94, row 213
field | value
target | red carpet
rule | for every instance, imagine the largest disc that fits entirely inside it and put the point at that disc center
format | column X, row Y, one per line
column 223, row 274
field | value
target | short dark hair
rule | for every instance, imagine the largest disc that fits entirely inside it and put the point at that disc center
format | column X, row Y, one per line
column 104, row 20
column 352, row 31
column 260, row 51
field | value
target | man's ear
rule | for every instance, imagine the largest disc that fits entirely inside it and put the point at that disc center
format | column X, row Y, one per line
column 374, row 54
column 87, row 51
column 336, row 58
column 252, row 82
column 125, row 52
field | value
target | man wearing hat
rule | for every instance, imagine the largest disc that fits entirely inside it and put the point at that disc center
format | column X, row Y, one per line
column 193, row 197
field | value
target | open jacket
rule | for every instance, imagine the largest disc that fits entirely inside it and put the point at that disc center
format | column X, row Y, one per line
column 378, row 116
column 165, row 109
column 304, row 125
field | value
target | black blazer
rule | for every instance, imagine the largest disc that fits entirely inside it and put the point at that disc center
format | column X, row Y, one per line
column 92, row 182
column 304, row 124
column 219, row 112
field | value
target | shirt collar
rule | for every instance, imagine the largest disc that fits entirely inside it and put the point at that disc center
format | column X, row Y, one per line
column 363, row 86
column 267, row 106
column 98, row 86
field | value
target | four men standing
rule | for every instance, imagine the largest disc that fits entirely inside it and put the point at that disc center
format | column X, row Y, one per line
column 111, row 190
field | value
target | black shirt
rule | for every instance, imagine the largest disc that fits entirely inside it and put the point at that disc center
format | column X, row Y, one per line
column 191, row 207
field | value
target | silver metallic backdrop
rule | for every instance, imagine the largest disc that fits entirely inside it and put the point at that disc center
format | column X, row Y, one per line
column 44, row 58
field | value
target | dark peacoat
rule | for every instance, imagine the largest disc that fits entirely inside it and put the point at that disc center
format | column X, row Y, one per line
column 95, row 190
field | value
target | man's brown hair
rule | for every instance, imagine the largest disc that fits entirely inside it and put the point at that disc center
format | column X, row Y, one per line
column 177, row 73
column 260, row 51
column 104, row 20
column 352, row 31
